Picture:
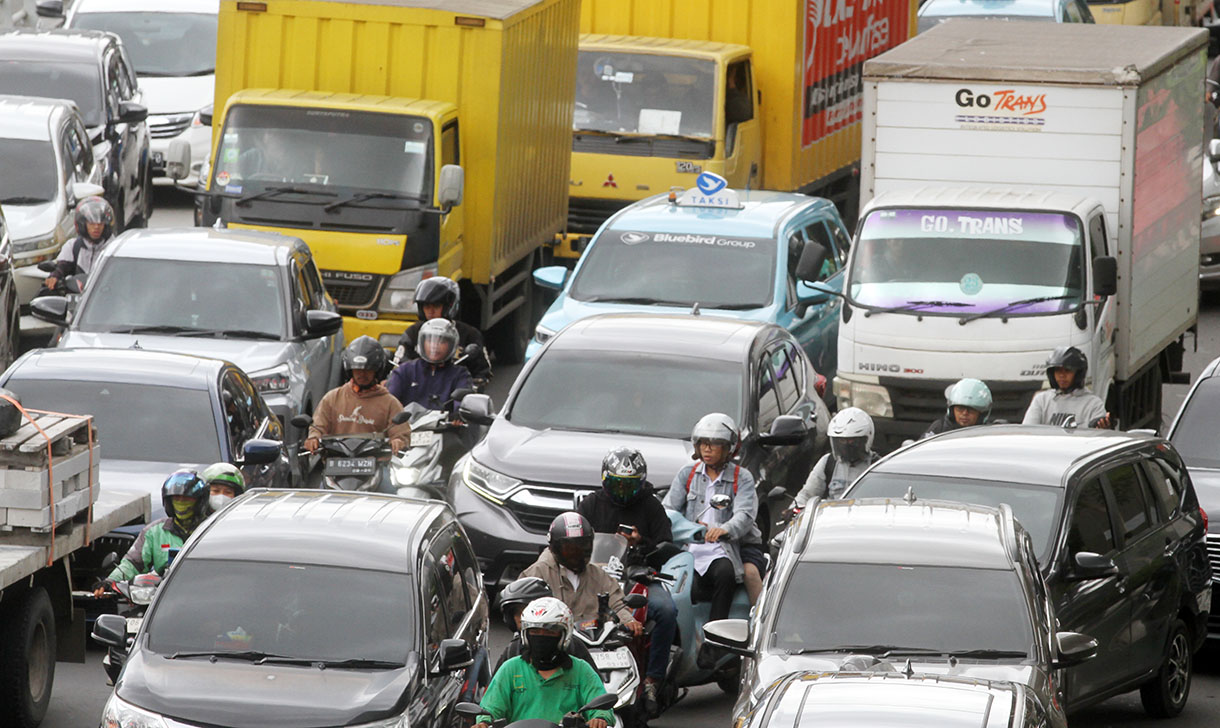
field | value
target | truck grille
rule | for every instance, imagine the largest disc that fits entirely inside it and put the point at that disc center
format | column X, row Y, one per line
column 923, row 400
column 586, row 215
column 672, row 148
column 352, row 290
column 1213, row 555
column 168, row 126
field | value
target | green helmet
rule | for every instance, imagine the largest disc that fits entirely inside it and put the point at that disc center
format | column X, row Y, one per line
column 970, row 393
column 226, row 474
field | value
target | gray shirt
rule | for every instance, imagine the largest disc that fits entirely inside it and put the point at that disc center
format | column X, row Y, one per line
column 843, row 475
column 1052, row 407
column 691, row 503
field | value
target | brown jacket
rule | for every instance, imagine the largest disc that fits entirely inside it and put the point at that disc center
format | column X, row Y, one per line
column 344, row 411
column 582, row 601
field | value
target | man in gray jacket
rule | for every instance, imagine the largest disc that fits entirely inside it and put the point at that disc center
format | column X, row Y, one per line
column 851, row 452
column 1067, row 398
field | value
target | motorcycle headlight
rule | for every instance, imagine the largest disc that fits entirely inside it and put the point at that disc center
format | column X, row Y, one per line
column 142, row 594
column 488, row 483
column 31, row 244
column 272, row 381
column 1211, row 207
column 399, row 293
column 542, row 334
column 120, row 714
column 872, row 398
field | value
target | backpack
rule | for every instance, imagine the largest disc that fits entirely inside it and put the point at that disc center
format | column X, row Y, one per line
column 691, row 476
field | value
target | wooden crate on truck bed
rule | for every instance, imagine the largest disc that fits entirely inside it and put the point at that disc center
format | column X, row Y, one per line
column 41, row 488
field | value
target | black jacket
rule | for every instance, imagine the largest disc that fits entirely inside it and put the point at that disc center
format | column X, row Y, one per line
column 944, row 424
column 478, row 366
column 576, row 648
column 646, row 514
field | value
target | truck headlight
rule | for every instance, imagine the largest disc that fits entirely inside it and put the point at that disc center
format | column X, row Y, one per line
column 120, row 714
column 272, row 381
column 1211, row 207
column 872, row 398
column 488, row 483
column 399, row 293
column 542, row 334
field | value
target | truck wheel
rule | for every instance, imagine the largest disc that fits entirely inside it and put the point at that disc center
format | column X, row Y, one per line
column 1165, row 695
column 27, row 659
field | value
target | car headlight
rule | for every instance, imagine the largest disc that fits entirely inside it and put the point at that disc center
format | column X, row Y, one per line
column 872, row 398
column 273, row 381
column 1211, row 207
column 398, row 721
column 118, row 713
column 542, row 334
column 32, row 244
column 488, row 483
column 399, row 293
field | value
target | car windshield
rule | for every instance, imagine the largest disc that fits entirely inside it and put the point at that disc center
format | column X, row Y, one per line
column 835, row 606
column 643, row 394
column 163, row 43
column 134, row 421
column 963, row 262
column 38, row 178
column 191, row 295
column 325, row 148
column 1035, row 506
column 285, row 609
column 928, row 21
column 678, row 268
column 80, row 82
column 639, row 93
column 1195, row 432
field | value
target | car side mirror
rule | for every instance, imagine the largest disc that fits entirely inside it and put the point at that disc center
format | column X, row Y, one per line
column 453, row 655
column 469, row 710
column 301, row 421
column 635, row 601
column 552, row 277
column 476, row 409
column 732, row 635
column 260, row 451
column 1213, row 149
column 449, row 191
column 319, row 323
column 1072, row 648
column 49, row 8
column 1088, row 565
column 785, row 430
column 1105, row 276
column 52, row 309
column 111, row 630
column 178, row 159
column 809, row 266
column 206, row 114
column 132, row 113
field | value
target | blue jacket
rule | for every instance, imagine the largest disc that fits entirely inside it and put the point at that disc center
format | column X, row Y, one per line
column 419, row 381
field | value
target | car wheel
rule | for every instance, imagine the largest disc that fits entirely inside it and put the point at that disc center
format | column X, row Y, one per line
column 1165, row 695
column 27, row 659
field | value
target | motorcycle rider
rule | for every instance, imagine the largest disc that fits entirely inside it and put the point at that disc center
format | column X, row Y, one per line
column 731, row 552
column 431, row 379
column 1066, row 369
column 968, row 403
column 563, row 567
column 544, row 682
column 851, row 452
column 512, row 600
column 362, row 404
column 184, row 496
column 224, row 482
column 440, row 297
column 627, row 498
column 94, row 228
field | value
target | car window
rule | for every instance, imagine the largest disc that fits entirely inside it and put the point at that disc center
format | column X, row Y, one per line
column 1097, row 235
column 842, row 241
column 738, row 98
column 1165, row 479
column 784, row 368
column 816, row 232
column 114, row 85
column 468, row 567
column 127, row 77
column 67, row 144
column 239, row 411
column 449, row 581
column 82, row 150
column 768, row 399
column 435, row 626
column 301, row 289
column 1091, row 526
column 450, row 148
column 1134, row 510
column 1070, row 13
column 313, row 281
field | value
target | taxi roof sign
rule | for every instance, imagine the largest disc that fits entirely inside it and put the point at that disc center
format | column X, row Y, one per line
column 710, row 190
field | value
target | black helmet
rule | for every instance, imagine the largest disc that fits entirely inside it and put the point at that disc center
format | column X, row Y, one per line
column 623, row 474
column 364, row 353
column 94, row 210
column 438, row 289
column 1067, row 357
column 570, row 538
column 513, row 598
column 184, row 483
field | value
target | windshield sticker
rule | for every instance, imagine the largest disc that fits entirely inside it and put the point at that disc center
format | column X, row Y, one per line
column 1011, row 225
column 233, row 189
column 633, row 237
column 222, row 178
column 623, row 77
column 231, row 154
column 971, row 284
column 411, row 146
column 659, row 121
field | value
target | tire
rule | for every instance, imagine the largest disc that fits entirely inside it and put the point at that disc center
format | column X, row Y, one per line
column 27, row 660
column 1164, row 696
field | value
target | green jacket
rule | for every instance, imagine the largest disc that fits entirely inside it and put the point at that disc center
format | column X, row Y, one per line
column 518, row 692
column 150, row 552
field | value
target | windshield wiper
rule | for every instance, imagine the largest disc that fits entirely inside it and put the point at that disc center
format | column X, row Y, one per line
column 642, row 300
column 911, row 306
column 231, row 334
column 22, row 200
column 162, row 329
column 1009, row 306
column 365, row 196
column 274, row 191
column 987, row 653
column 249, row 655
column 354, row 663
column 880, row 650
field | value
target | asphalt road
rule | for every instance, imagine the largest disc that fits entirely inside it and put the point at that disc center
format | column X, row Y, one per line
column 81, row 691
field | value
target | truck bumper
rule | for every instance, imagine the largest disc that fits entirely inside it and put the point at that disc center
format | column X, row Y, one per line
column 569, row 246
column 386, row 331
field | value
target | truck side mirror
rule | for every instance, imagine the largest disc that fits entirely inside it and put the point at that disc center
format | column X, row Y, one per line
column 49, row 8
column 178, row 159
column 1105, row 276
column 449, row 191
column 1213, row 148
column 809, row 267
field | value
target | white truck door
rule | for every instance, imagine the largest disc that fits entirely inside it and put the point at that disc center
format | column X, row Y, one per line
column 1103, row 315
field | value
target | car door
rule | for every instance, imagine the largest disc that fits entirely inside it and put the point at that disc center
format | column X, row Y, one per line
column 317, row 353
column 1098, row 607
column 126, row 138
column 815, row 326
column 447, row 614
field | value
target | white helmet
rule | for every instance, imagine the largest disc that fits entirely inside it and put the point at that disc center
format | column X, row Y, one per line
column 546, row 613
column 717, row 427
column 851, row 435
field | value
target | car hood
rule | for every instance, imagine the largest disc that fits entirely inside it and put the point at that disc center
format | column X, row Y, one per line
column 250, row 354
column 573, row 458
column 27, row 221
column 144, row 476
column 243, row 695
column 1207, row 488
column 177, row 94
column 774, row 667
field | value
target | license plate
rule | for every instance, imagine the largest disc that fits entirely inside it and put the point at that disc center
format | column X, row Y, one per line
column 617, row 660
column 351, row 466
column 133, row 624
column 158, row 158
column 1205, row 600
column 422, row 438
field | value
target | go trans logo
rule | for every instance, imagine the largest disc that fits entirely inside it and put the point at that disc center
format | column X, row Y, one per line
column 1007, row 109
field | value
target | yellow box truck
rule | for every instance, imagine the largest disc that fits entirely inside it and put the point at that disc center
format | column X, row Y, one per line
column 765, row 93
column 355, row 125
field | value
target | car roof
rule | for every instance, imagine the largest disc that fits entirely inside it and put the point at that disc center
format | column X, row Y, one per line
column 983, row 8
column 29, row 117
column 323, row 527
column 205, row 245
column 761, row 213
column 1032, row 454
column 705, row 337
column 919, row 533
column 131, row 366
column 146, row 6
column 27, row 44
column 1004, row 198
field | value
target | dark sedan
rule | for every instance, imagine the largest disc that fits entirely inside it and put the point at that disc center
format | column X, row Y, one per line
column 638, row 381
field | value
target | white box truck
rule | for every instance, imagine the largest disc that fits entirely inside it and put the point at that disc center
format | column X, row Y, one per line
column 1028, row 186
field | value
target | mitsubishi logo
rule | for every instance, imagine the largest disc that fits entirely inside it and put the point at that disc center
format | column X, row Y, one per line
column 610, row 182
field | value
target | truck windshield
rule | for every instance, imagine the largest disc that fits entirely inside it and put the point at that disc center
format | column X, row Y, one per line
column 639, row 93
column 327, row 148
column 963, row 262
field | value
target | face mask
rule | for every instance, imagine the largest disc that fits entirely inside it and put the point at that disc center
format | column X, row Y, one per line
column 184, row 514
column 216, row 502
column 544, row 652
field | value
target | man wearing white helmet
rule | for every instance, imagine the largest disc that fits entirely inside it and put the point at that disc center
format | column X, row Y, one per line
column 967, row 403
column 544, row 682
column 851, row 452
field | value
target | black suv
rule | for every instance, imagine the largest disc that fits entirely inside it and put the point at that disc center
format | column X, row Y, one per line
column 1118, row 531
column 315, row 608
column 92, row 69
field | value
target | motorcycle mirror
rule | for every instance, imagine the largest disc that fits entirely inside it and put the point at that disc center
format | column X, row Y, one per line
column 777, row 492
column 635, row 601
column 47, row 266
column 468, row 710
column 472, row 350
column 604, row 701
column 720, row 501
column 109, row 561
column 301, row 421
column 401, row 417
column 459, row 393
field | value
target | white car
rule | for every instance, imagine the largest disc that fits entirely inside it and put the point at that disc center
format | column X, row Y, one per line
column 173, row 49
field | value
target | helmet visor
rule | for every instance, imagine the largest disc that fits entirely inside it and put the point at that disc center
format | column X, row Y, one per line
column 849, row 449
column 574, row 553
column 622, row 489
column 435, row 348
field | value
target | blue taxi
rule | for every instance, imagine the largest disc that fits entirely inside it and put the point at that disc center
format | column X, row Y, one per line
column 747, row 254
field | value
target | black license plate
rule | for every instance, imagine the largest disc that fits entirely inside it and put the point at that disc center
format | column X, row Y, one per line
column 158, row 159
column 351, row 466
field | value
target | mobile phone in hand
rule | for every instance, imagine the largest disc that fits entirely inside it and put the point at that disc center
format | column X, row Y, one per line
column 625, row 529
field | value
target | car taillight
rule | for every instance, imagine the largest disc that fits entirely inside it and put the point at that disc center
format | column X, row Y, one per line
column 1203, row 515
column 819, row 385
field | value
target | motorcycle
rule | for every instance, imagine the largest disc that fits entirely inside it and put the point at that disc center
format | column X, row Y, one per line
column 438, row 440
column 617, row 654
column 358, row 462
column 574, row 719
column 57, row 306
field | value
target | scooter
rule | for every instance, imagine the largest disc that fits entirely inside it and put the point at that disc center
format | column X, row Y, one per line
column 438, row 440
column 138, row 594
column 574, row 719
column 617, row 654
column 57, row 306
column 348, row 462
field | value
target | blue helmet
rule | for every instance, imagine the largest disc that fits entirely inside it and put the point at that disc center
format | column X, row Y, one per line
column 970, row 393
